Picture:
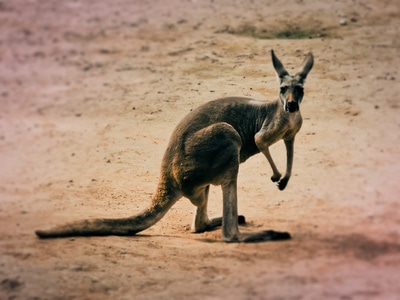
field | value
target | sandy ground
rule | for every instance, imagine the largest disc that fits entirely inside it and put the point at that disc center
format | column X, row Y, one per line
column 90, row 92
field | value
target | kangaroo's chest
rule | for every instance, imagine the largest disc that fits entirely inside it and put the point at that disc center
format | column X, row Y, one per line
column 284, row 127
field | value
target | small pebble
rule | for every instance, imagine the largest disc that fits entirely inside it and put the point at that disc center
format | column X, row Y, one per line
column 343, row 22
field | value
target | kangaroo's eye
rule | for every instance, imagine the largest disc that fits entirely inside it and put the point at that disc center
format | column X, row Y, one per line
column 299, row 90
column 284, row 89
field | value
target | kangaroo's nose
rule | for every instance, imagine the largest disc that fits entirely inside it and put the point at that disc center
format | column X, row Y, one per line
column 292, row 106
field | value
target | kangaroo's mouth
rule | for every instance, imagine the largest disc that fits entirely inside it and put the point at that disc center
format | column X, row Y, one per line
column 292, row 107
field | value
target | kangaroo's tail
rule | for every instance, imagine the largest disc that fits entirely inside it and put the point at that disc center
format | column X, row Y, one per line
column 162, row 201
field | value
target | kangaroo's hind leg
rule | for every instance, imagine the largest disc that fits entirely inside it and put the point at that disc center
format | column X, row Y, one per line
column 230, row 230
column 201, row 222
column 211, row 157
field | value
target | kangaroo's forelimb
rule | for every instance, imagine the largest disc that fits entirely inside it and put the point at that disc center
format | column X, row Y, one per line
column 263, row 143
column 289, row 163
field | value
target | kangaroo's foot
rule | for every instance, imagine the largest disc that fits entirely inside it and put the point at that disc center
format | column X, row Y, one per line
column 263, row 236
column 217, row 222
column 257, row 237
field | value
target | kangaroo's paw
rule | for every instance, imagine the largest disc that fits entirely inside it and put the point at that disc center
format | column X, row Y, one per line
column 282, row 183
column 264, row 236
column 276, row 177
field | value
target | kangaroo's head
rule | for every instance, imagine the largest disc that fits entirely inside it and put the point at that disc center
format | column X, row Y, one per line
column 292, row 86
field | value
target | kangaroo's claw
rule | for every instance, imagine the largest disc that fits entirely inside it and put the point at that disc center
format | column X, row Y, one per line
column 282, row 183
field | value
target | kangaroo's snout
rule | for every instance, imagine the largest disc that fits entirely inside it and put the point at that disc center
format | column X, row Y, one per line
column 292, row 106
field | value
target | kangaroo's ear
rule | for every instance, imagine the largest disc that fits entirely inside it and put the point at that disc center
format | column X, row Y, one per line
column 279, row 68
column 307, row 66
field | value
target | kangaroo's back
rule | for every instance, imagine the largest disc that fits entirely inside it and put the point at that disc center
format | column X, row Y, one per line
column 245, row 115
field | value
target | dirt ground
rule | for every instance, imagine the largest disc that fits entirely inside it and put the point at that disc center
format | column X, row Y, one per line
column 90, row 92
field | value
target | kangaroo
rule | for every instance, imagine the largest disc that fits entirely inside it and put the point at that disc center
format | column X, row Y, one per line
column 206, row 148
